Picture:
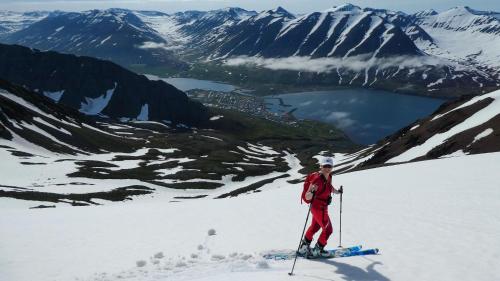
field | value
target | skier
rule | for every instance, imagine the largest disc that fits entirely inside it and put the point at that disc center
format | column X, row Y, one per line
column 321, row 188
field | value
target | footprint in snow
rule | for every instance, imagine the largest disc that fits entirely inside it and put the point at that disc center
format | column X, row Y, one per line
column 141, row 263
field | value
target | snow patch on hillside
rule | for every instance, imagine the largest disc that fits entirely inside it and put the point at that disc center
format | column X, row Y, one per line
column 94, row 106
column 55, row 96
column 144, row 114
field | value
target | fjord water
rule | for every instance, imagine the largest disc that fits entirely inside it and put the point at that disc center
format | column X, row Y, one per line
column 365, row 115
column 186, row 84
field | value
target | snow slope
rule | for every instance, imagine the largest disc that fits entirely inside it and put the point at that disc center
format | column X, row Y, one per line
column 463, row 34
column 432, row 220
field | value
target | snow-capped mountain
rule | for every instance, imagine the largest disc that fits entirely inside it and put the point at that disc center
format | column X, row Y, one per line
column 340, row 32
column 470, row 125
column 461, row 18
column 200, row 22
column 463, row 34
column 97, row 87
column 113, row 34
column 193, row 27
column 406, row 23
column 351, row 46
column 425, row 13
column 14, row 21
column 363, row 47
column 204, row 25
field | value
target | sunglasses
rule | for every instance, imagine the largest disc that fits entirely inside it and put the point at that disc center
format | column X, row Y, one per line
column 326, row 166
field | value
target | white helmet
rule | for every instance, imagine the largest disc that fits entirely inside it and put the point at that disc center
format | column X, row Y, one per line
column 326, row 161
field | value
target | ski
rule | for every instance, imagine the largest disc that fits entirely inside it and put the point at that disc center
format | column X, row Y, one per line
column 287, row 255
column 345, row 254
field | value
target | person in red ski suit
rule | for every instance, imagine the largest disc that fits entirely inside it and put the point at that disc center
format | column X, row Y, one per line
column 320, row 191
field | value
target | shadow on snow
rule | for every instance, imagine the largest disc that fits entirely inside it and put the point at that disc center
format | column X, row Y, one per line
column 353, row 273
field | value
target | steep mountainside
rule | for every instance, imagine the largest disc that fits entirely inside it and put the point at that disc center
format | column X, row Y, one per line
column 465, row 35
column 30, row 118
column 470, row 125
column 211, row 22
column 340, row 32
column 406, row 23
column 97, row 87
column 114, row 34
column 185, row 30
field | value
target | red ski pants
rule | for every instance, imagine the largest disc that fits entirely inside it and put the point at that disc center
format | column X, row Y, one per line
column 320, row 220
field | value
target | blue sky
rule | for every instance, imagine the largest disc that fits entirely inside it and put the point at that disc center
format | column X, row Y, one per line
column 295, row 6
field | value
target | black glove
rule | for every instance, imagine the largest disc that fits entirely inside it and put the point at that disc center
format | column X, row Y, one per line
column 341, row 190
column 329, row 200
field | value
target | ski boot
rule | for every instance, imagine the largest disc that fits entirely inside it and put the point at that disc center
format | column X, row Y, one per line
column 304, row 249
column 319, row 252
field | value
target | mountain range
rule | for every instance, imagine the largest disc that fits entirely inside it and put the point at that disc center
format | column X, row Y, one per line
column 428, row 53
column 464, row 35
column 362, row 46
column 114, row 34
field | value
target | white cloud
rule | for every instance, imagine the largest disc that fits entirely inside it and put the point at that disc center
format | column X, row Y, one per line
column 337, row 115
column 154, row 45
column 326, row 65
column 340, row 119
column 344, row 123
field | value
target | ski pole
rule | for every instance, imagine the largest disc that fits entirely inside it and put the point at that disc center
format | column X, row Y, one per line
column 340, row 235
column 301, row 236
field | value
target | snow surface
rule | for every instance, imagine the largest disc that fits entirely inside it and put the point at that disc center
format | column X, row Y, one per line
column 483, row 134
column 55, row 96
column 433, row 220
column 105, row 39
column 464, row 34
column 94, row 106
column 41, row 121
column 144, row 114
column 166, row 26
column 213, row 118
column 33, row 107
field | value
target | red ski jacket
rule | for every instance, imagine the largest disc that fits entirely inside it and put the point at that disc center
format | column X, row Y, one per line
column 324, row 191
